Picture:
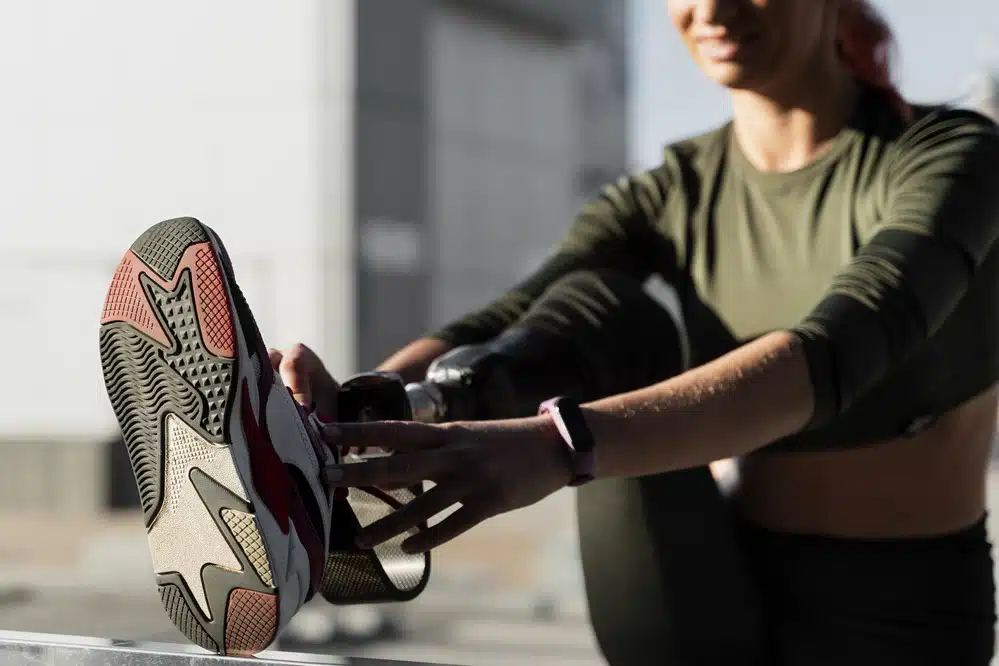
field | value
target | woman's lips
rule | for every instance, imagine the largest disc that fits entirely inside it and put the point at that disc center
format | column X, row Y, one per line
column 721, row 50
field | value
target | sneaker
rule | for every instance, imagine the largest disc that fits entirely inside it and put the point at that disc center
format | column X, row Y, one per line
column 227, row 464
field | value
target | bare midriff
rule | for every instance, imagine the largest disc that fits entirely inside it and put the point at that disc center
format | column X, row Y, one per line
column 930, row 484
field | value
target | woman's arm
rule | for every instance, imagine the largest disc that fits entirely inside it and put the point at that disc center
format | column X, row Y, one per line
column 735, row 404
column 614, row 230
column 941, row 220
column 411, row 362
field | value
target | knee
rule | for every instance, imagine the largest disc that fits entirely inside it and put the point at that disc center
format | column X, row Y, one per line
column 607, row 296
column 622, row 332
column 603, row 284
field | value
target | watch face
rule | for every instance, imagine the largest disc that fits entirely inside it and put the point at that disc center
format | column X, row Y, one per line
column 582, row 440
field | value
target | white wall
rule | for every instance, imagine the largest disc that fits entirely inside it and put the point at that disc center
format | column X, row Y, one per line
column 117, row 114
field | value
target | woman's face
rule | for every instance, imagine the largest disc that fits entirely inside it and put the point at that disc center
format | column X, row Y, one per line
column 751, row 44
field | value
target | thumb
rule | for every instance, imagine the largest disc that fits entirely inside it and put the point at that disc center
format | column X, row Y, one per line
column 397, row 436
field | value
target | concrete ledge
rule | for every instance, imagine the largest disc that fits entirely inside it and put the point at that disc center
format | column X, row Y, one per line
column 17, row 649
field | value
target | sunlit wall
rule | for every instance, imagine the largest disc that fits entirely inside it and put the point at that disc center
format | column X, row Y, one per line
column 117, row 114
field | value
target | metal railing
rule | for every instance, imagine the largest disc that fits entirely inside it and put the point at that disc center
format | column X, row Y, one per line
column 23, row 649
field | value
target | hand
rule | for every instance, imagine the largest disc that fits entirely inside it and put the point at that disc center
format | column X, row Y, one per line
column 310, row 382
column 489, row 467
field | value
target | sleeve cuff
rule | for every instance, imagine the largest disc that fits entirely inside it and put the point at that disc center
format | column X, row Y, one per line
column 821, row 359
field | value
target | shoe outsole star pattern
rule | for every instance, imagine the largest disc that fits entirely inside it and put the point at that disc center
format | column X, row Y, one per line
column 226, row 466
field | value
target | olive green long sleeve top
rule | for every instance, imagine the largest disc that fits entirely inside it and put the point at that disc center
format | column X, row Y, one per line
column 879, row 255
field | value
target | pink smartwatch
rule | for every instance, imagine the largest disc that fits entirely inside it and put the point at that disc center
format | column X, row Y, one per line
column 577, row 436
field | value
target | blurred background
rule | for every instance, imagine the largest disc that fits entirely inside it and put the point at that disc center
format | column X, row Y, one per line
column 375, row 167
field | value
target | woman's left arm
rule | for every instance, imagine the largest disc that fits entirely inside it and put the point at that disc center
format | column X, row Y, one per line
column 733, row 405
column 940, row 220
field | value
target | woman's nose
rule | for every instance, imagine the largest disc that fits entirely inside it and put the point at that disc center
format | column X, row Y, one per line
column 716, row 11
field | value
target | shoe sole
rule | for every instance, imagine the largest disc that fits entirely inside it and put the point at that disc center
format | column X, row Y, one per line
column 170, row 346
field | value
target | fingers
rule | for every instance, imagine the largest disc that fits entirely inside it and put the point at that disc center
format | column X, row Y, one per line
column 391, row 487
column 418, row 511
column 308, row 379
column 275, row 356
column 404, row 469
column 398, row 436
column 296, row 368
column 459, row 522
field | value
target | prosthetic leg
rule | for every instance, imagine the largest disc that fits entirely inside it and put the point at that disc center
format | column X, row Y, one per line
column 384, row 573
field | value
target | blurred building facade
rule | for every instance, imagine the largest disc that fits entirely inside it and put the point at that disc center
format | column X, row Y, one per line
column 374, row 168
column 481, row 126
column 122, row 114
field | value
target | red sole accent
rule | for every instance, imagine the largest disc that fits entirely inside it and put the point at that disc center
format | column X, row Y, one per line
column 212, row 302
column 127, row 302
column 251, row 622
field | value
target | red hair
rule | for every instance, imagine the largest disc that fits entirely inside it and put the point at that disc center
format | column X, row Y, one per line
column 867, row 47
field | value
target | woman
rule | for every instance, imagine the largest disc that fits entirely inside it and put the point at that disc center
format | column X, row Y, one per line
column 833, row 249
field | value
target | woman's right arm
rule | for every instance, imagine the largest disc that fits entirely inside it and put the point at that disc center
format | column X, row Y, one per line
column 615, row 230
column 412, row 361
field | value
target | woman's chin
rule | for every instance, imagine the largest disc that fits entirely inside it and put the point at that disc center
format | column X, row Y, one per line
column 734, row 77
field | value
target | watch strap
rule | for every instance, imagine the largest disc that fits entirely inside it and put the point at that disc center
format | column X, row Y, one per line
column 568, row 419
